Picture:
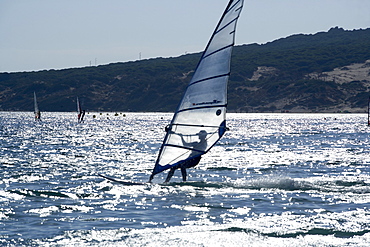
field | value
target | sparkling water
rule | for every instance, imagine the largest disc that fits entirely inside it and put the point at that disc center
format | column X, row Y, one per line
column 272, row 180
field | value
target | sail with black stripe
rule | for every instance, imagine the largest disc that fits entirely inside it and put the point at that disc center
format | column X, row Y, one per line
column 200, row 119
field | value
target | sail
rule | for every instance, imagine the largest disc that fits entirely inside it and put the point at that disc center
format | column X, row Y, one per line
column 368, row 112
column 199, row 121
column 37, row 111
column 79, row 110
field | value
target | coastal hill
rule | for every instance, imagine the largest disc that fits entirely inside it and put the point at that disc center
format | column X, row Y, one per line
column 322, row 72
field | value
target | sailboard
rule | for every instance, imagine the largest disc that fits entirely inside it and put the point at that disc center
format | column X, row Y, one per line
column 200, row 119
column 121, row 181
column 37, row 111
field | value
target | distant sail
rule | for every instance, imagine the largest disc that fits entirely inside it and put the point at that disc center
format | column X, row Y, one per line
column 202, row 110
column 368, row 112
column 80, row 112
column 37, row 111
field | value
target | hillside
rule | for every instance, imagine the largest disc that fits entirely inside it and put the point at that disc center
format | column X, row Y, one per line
column 324, row 72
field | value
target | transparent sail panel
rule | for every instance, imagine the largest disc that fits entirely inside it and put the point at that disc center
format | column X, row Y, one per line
column 199, row 121
column 201, row 94
column 213, row 65
column 224, row 35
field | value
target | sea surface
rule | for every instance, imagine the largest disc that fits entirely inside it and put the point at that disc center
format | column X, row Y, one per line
column 273, row 180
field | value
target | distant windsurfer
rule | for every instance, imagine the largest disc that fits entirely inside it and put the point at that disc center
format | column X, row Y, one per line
column 38, row 115
column 198, row 148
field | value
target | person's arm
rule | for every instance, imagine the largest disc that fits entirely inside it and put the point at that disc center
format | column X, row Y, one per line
column 183, row 140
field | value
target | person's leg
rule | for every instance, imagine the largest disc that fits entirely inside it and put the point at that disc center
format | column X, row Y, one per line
column 183, row 173
column 151, row 178
column 170, row 174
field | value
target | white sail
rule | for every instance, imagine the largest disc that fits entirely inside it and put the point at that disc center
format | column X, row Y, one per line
column 79, row 110
column 202, row 111
column 37, row 111
column 368, row 112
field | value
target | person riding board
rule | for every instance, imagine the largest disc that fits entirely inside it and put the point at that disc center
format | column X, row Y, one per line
column 201, row 146
column 197, row 150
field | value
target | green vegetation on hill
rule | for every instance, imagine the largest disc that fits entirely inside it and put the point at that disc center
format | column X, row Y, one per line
column 158, row 84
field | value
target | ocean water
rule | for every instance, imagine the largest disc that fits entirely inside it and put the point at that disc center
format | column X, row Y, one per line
column 273, row 180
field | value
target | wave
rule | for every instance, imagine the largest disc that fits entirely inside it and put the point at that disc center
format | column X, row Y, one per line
column 44, row 193
column 337, row 185
column 313, row 231
column 284, row 183
column 222, row 168
column 281, row 183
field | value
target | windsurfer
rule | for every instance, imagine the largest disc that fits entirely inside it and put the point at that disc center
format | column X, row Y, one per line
column 198, row 148
column 38, row 115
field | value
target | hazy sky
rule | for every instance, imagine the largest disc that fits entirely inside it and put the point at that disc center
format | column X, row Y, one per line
column 55, row 34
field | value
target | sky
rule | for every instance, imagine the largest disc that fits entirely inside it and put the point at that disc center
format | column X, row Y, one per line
column 56, row 34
